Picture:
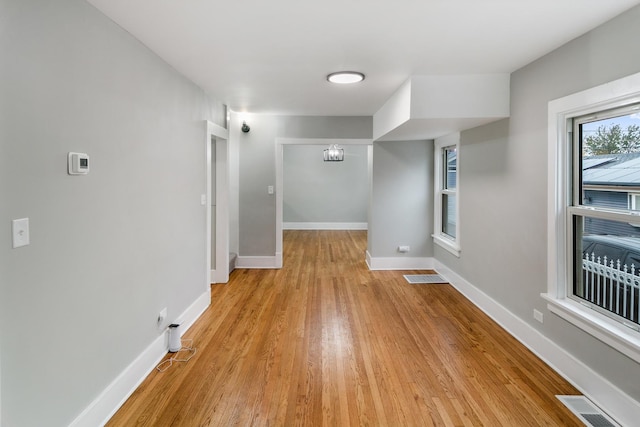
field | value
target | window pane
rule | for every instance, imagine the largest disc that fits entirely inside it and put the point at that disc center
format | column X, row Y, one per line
column 607, row 267
column 609, row 161
column 449, row 215
column 634, row 202
column 450, row 173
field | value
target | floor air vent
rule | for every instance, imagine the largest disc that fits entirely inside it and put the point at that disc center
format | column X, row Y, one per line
column 416, row 279
column 588, row 413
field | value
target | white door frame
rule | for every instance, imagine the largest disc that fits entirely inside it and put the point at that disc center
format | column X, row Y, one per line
column 221, row 137
column 280, row 143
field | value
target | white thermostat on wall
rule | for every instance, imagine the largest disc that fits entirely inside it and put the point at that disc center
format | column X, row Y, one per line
column 78, row 164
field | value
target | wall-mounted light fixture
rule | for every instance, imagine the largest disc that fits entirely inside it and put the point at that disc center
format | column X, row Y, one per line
column 334, row 154
column 245, row 127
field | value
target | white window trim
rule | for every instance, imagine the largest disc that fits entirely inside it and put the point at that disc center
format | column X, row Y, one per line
column 560, row 112
column 632, row 201
column 450, row 244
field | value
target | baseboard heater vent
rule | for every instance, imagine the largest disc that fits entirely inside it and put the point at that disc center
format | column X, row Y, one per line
column 417, row 279
column 588, row 413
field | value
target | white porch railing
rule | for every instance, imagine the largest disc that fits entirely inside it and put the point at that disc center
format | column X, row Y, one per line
column 612, row 286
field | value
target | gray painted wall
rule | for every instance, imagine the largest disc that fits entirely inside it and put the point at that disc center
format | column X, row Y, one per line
column 402, row 199
column 319, row 191
column 234, row 192
column 110, row 249
column 257, row 154
column 503, row 189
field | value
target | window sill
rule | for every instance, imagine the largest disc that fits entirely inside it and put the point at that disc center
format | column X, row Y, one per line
column 447, row 245
column 615, row 334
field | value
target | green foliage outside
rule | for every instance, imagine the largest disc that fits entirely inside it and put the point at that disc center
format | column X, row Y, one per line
column 613, row 139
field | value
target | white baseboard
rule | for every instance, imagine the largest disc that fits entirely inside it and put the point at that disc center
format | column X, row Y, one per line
column 325, row 226
column 193, row 312
column 116, row 393
column 399, row 263
column 258, row 262
column 599, row 390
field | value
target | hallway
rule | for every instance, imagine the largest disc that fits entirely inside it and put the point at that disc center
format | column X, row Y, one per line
column 325, row 341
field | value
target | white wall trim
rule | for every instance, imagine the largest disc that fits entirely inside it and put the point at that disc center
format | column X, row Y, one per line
column 448, row 243
column 399, row 263
column 220, row 135
column 193, row 312
column 116, row 393
column 603, row 393
column 609, row 95
column 611, row 332
column 560, row 113
column 258, row 262
column 324, row 226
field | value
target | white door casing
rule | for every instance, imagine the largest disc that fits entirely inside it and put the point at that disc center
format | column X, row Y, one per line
column 280, row 143
column 217, row 138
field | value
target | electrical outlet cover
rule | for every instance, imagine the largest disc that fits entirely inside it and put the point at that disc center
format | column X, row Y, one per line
column 162, row 316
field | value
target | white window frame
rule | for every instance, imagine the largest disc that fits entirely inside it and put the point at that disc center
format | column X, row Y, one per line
column 633, row 201
column 561, row 111
column 447, row 242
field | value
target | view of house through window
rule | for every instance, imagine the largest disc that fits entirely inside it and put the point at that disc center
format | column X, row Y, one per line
column 449, row 181
column 605, row 213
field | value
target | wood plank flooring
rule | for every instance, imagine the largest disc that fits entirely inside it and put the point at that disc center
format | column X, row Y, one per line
column 326, row 342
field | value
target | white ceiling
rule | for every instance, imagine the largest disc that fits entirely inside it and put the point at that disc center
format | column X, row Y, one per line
column 273, row 56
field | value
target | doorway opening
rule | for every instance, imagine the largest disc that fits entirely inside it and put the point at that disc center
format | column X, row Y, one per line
column 323, row 142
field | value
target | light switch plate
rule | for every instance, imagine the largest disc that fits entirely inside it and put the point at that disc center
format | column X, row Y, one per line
column 20, row 229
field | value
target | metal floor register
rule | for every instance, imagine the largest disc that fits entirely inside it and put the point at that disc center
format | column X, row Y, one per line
column 417, row 279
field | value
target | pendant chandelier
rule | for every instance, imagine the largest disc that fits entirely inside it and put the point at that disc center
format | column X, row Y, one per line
column 334, row 154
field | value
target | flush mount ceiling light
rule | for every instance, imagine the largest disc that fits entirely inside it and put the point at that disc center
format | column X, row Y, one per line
column 345, row 77
column 334, row 154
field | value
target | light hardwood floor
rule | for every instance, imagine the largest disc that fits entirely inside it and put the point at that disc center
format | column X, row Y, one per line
column 326, row 342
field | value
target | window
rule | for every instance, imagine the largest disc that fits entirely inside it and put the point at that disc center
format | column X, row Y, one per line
column 593, row 235
column 446, row 217
column 449, row 158
column 606, row 246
